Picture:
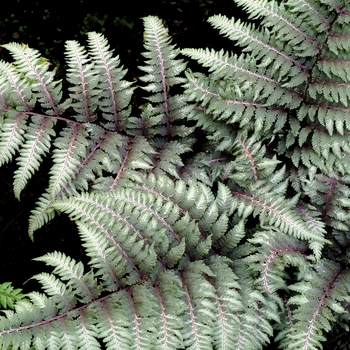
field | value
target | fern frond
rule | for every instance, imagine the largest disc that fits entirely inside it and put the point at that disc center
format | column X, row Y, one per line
column 135, row 156
column 84, row 92
column 289, row 221
column 36, row 146
column 199, row 319
column 330, row 197
column 267, row 202
column 256, row 313
column 17, row 90
column 74, row 168
column 250, row 163
column 227, row 297
column 12, row 135
column 292, row 25
column 259, row 46
column 35, row 68
column 315, row 304
column 60, row 294
column 167, row 158
column 70, row 148
column 146, row 250
column 149, row 208
column 9, row 295
column 276, row 65
column 158, row 40
column 162, row 74
column 68, row 270
column 223, row 101
column 115, row 93
column 28, row 75
column 275, row 252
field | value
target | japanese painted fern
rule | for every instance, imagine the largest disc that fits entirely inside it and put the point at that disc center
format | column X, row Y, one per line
column 240, row 243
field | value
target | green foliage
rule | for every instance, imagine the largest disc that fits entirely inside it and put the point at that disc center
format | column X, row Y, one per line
column 123, row 22
column 230, row 243
column 9, row 295
column 92, row 20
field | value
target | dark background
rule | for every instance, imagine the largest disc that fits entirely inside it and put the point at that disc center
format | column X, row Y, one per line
column 46, row 25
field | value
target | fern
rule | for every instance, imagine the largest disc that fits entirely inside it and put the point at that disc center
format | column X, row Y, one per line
column 267, row 97
column 230, row 243
column 9, row 295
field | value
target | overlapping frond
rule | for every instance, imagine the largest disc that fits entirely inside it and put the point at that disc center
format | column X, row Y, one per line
column 26, row 84
column 293, row 77
column 36, row 70
column 277, row 212
column 246, row 240
column 325, row 293
column 149, row 248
